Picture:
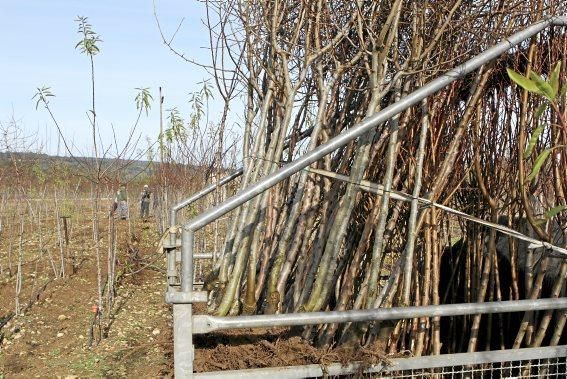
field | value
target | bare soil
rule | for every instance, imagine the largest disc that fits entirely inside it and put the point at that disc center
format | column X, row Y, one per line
column 50, row 338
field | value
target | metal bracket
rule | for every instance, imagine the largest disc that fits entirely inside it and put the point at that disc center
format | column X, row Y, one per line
column 186, row 297
column 202, row 325
column 168, row 246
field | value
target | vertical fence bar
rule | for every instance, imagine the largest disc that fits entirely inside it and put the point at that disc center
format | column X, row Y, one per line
column 183, row 349
column 187, row 241
column 171, row 270
column 172, row 252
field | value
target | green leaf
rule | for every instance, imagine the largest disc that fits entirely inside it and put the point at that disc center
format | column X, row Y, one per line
column 563, row 90
column 523, row 82
column 42, row 95
column 554, row 211
column 88, row 44
column 554, row 79
column 533, row 140
column 543, row 86
column 540, row 160
column 539, row 111
column 143, row 99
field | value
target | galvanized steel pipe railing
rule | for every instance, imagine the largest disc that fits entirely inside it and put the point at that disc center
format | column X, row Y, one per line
column 171, row 271
column 227, row 179
column 206, row 324
column 205, row 191
column 170, row 253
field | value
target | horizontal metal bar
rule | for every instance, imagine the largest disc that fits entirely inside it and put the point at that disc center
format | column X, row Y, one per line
column 478, row 358
column 195, row 256
column 227, row 179
column 207, row 324
column 205, row 191
column 369, row 123
column 395, row 364
column 195, row 284
column 292, row 372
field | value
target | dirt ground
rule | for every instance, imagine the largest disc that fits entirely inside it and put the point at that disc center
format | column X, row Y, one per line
column 50, row 338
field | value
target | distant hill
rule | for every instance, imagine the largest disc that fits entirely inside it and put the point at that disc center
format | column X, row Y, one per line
column 131, row 168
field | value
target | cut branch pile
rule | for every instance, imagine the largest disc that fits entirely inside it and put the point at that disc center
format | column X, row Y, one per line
column 314, row 243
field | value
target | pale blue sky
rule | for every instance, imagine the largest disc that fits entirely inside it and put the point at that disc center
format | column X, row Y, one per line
column 37, row 40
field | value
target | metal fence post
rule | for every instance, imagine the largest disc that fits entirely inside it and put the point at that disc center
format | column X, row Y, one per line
column 183, row 349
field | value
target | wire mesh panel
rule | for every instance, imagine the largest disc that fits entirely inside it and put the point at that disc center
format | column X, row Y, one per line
column 546, row 362
column 539, row 368
column 541, row 362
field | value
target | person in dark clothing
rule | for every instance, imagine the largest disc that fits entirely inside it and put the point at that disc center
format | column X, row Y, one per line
column 145, row 198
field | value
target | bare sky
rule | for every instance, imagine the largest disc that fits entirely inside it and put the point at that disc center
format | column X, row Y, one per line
column 38, row 40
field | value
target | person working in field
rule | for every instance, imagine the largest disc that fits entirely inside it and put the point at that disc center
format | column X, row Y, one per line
column 145, row 202
column 121, row 203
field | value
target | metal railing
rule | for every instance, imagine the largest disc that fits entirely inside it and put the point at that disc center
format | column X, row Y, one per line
column 170, row 248
column 183, row 326
column 206, row 324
